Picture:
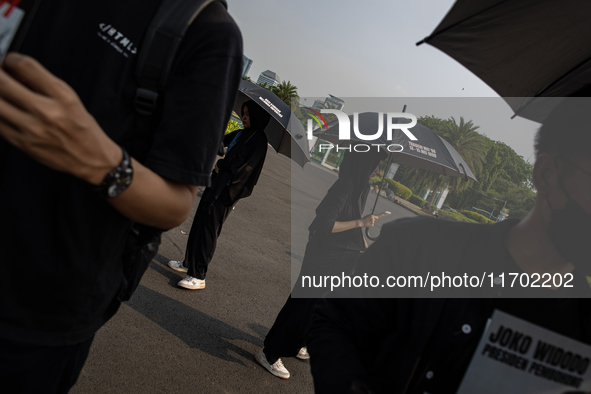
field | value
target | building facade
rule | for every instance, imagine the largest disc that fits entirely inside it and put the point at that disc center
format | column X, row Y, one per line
column 269, row 77
column 246, row 63
column 329, row 102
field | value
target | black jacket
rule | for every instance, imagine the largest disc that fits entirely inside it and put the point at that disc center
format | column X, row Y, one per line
column 389, row 345
column 242, row 165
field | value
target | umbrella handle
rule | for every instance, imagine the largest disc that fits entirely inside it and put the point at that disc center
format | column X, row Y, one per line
column 379, row 191
column 369, row 236
column 377, row 197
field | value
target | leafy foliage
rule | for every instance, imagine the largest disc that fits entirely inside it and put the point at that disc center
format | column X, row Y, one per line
column 505, row 182
column 476, row 216
column 232, row 126
column 418, row 201
column 465, row 140
column 399, row 189
column 287, row 92
column 375, row 180
column 505, row 178
column 449, row 215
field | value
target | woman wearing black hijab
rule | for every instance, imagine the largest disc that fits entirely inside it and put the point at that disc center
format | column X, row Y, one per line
column 234, row 177
column 335, row 242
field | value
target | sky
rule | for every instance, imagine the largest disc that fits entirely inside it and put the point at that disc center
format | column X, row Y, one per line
column 354, row 49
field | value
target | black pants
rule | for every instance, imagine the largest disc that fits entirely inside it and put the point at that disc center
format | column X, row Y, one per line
column 287, row 336
column 206, row 228
column 34, row 369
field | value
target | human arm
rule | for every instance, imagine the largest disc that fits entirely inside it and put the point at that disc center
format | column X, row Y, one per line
column 186, row 137
column 42, row 116
column 366, row 221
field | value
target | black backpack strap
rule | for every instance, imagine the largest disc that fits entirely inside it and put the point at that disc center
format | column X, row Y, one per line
column 158, row 49
column 155, row 58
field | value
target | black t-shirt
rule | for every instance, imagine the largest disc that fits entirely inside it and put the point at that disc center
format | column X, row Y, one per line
column 61, row 244
column 338, row 205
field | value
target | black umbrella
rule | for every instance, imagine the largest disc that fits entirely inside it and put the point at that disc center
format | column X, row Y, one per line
column 285, row 132
column 428, row 152
column 528, row 51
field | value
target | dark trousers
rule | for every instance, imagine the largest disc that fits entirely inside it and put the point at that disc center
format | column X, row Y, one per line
column 207, row 226
column 34, row 369
column 287, row 336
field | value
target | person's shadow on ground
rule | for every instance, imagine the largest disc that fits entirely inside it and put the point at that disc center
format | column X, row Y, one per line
column 195, row 328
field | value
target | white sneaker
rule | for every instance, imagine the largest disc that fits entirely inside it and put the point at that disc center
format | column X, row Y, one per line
column 303, row 354
column 277, row 368
column 192, row 283
column 177, row 266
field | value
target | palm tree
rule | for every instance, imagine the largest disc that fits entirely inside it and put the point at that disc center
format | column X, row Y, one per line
column 287, row 92
column 468, row 143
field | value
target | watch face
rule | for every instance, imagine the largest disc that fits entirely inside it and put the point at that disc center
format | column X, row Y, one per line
column 121, row 181
column 118, row 180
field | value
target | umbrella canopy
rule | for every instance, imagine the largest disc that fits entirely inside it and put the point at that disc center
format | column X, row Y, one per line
column 523, row 49
column 428, row 152
column 285, row 132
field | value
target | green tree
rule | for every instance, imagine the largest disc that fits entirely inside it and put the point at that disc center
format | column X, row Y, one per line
column 465, row 139
column 505, row 180
column 287, row 92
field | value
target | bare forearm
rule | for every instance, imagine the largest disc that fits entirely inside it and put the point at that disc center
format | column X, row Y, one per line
column 366, row 221
column 153, row 200
column 344, row 226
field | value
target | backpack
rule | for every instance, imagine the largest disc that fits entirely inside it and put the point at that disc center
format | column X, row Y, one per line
column 155, row 58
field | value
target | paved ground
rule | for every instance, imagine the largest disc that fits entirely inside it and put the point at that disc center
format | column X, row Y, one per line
column 168, row 340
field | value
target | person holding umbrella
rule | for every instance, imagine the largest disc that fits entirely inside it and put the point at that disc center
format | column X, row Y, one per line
column 335, row 242
column 233, row 178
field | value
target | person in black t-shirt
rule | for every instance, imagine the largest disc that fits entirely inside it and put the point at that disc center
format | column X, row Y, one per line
column 234, row 178
column 66, row 122
column 417, row 345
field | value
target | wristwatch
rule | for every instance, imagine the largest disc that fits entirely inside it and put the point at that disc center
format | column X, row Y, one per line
column 118, row 180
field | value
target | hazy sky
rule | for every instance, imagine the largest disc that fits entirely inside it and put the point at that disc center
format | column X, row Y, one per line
column 367, row 49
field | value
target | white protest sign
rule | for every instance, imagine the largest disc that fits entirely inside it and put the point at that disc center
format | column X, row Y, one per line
column 8, row 27
column 517, row 357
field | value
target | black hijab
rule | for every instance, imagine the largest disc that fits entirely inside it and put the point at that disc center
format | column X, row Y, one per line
column 352, row 187
column 356, row 168
column 259, row 118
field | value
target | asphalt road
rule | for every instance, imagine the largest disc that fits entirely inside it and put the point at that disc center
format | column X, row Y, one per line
column 168, row 340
